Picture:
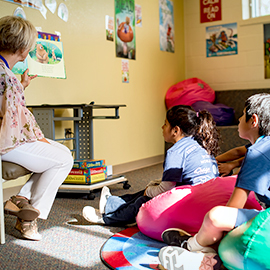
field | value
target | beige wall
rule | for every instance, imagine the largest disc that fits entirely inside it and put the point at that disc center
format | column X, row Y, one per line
column 242, row 71
column 94, row 74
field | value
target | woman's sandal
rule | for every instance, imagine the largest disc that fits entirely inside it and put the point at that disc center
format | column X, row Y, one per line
column 21, row 208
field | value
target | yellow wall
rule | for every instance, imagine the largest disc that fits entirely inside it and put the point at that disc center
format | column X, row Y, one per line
column 94, row 74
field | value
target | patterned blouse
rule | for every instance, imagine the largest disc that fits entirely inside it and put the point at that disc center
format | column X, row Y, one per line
column 17, row 123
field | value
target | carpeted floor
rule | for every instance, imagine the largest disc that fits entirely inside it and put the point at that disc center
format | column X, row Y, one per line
column 69, row 241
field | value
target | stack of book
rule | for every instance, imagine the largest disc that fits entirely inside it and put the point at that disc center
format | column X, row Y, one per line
column 87, row 171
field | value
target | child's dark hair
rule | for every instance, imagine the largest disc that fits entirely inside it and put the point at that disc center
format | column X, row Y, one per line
column 201, row 126
column 259, row 104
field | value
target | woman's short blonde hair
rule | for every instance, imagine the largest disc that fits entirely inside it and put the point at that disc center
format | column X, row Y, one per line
column 16, row 34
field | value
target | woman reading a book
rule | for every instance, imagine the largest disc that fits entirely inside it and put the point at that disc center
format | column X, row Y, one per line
column 21, row 140
column 189, row 161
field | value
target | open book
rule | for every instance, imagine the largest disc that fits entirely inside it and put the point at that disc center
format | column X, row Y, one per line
column 46, row 59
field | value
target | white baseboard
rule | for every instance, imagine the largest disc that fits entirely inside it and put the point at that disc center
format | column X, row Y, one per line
column 137, row 164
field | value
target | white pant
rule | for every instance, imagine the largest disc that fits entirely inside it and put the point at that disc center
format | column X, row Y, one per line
column 51, row 163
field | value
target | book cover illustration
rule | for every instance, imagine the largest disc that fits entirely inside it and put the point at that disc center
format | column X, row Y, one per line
column 125, row 29
column 46, row 59
column 166, row 26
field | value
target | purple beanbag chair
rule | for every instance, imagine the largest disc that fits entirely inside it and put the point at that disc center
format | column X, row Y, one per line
column 185, row 207
column 222, row 114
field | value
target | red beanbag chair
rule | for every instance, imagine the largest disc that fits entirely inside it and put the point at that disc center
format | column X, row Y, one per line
column 185, row 207
column 188, row 92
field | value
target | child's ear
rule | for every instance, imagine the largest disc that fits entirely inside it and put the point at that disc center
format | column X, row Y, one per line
column 255, row 120
column 176, row 130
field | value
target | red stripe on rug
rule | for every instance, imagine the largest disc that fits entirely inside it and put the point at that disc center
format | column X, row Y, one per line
column 115, row 258
column 127, row 232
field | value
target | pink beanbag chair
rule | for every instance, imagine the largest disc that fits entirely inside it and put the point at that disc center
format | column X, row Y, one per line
column 185, row 207
column 188, row 92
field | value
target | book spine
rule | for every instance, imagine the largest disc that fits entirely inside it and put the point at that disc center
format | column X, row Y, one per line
column 94, row 171
column 87, row 164
column 88, row 171
column 76, row 172
column 97, row 178
column 76, row 179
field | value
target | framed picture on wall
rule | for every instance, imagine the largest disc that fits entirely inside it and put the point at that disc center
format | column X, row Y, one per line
column 267, row 51
column 125, row 44
column 166, row 26
column 221, row 40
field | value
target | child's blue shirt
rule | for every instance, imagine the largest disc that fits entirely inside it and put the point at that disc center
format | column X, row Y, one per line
column 187, row 163
column 255, row 171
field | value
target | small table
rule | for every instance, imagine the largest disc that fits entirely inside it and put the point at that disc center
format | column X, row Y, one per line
column 83, row 137
column 83, row 124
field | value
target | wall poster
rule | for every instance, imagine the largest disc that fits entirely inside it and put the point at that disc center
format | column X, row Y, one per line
column 138, row 14
column 210, row 10
column 125, row 44
column 166, row 26
column 267, row 51
column 109, row 25
column 37, row 4
column 221, row 40
column 125, row 71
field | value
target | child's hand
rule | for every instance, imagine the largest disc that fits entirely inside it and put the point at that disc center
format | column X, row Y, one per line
column 26, row 79
column 225, row 168
column 144, row 194
column 154, row 182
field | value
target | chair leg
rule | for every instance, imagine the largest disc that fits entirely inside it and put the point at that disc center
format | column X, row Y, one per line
column 2, row 220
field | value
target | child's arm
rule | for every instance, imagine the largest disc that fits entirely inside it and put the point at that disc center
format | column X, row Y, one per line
column 238, row 198
column 153, row 191
column 226, row 167
column 232, row 154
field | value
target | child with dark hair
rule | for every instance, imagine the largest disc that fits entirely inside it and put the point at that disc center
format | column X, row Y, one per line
column 254, row 175
column 189, row 161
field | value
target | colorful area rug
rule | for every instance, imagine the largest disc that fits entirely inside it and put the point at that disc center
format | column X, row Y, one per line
column 130, row 250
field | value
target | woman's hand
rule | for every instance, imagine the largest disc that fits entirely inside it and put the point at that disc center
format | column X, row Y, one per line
column 26, row 79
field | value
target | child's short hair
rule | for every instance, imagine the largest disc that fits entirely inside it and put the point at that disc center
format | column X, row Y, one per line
column 259, row 104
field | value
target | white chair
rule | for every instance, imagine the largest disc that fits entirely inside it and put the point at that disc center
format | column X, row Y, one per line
column 8, row 171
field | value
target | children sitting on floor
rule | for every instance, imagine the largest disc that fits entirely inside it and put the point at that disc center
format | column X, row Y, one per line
column 254, row 175
column 189, row 161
